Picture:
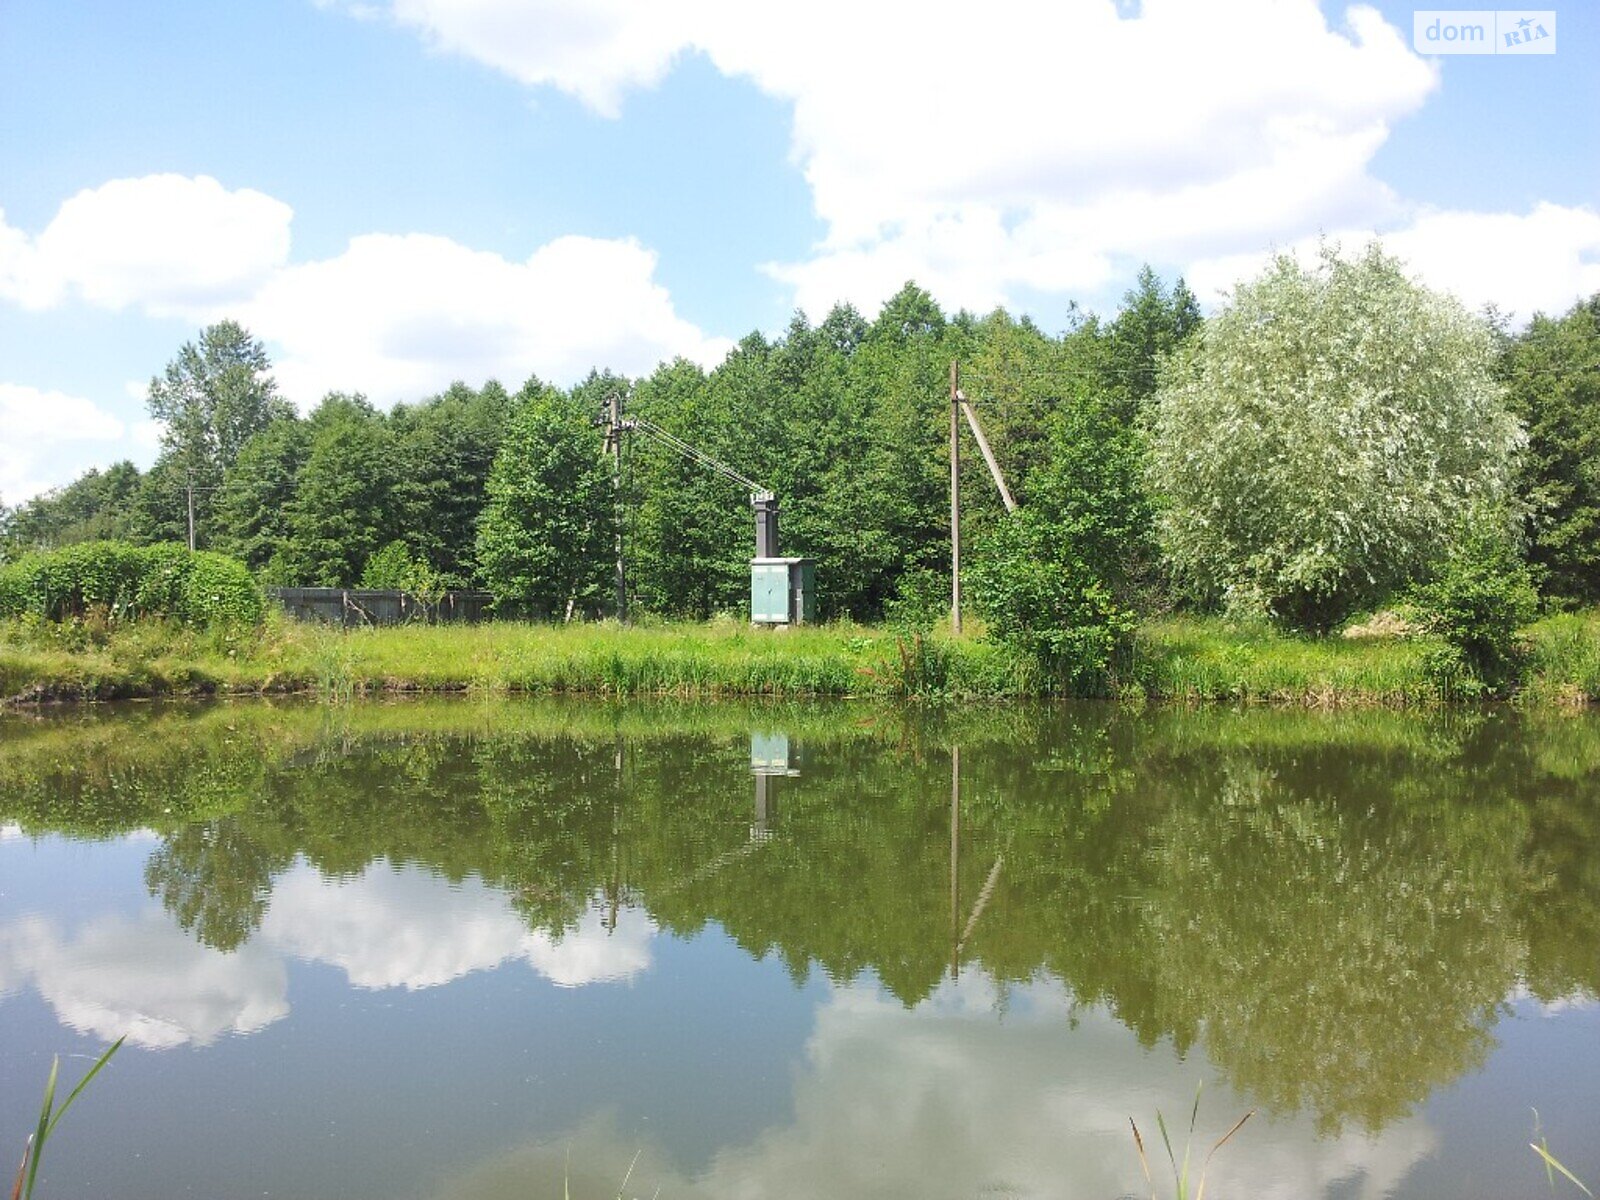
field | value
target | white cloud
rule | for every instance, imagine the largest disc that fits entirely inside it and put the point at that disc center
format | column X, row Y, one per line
column 405, row 927
column 593, row 49
column 396, row 317
column 172, row 244
column 889, row 1099
column 1542, row 260
column 45, row 432
column 145, row 979
column 1030, row 146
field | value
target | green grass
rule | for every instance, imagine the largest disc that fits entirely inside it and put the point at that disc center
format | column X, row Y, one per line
column 1206, row 660
column 1186, row 660
column 1564, row 659
column 685, row 660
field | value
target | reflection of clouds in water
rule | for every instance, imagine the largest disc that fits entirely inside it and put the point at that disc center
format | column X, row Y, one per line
column 1524, row 1003
column 386, row 927
column 958, row 1097
column 1030, row 1104
column 143, row 978
column 11, row 833
column 405, row 927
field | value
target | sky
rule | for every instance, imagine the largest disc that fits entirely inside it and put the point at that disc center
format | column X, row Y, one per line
column 396, row 194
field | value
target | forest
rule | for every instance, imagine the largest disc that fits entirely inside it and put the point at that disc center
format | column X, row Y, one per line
column 1334, row 439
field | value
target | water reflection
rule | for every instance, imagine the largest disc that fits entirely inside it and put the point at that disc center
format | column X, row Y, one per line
column 143, row 979
column 405, row 927
column 1010, row 931
column 888, row 1099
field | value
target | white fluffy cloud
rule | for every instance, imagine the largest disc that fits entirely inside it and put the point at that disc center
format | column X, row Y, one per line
column 945, row 1099
column 172, row 244
column 393, row 316
column 1539, row 261
column 396, row 317
column 889, row 1099
column 1030, row 148
column 44, row 431
column 1050, row 147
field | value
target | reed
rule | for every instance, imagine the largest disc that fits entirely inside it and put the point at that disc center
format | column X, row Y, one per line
column 49, row 1118
column 1180, row 1171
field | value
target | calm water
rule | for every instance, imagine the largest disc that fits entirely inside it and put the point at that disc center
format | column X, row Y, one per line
column 448, row 949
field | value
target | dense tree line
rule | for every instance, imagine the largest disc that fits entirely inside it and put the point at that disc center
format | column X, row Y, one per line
column 1317, row 448
column 845, row 420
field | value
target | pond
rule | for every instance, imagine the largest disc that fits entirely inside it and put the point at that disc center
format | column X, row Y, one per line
column 469, row 949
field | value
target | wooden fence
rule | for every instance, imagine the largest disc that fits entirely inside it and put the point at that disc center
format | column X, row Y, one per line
column 374, row 606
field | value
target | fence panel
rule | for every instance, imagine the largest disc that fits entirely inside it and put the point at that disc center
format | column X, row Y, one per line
column 373, row 606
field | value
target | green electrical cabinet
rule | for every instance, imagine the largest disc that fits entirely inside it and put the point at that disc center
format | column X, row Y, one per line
column 783, row 591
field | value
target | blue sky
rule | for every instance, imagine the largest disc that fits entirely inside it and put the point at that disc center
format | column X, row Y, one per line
column 396, row 193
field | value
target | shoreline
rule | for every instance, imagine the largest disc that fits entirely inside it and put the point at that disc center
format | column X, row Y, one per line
column 1195, row 661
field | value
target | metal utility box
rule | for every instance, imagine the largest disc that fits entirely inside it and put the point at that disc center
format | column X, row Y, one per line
column 783, row 591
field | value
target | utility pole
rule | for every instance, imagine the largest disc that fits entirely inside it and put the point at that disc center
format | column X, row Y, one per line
column 955, row 496
column 955, row 862
column 190, row 489
column 615, row 438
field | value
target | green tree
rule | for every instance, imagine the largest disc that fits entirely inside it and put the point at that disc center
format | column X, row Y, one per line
column 688, row 539
column 97, row 506
column 446, row 447
column 344, row 505
column 1051, row 578
column 210, row 400
column 257, row 495
column 1552, row 374
column 1323, row 438
column 1152, row 324
column 545, row 535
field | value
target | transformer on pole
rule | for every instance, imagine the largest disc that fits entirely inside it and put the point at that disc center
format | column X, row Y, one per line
column 782, row 590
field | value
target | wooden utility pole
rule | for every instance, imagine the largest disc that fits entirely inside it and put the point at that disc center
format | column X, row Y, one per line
column 955, row 496
column 190, row 489
column 616, row 486
column 988, row 454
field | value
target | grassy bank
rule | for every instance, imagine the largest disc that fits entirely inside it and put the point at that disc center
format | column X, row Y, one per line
column 1186, row 660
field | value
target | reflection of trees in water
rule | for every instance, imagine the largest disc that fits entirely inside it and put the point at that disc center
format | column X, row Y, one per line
column 215, row 879
column 1333, row 906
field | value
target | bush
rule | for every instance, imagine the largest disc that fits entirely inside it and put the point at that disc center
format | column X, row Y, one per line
column 388, row 569
column 923, row 666
column 219, row 590
column 119, row 581
column 1480, row 598
column 1041, row 596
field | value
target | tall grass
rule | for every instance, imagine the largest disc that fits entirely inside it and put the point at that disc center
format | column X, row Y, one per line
column 1207, row 660
column 1563, row 655
column 1180, row 1171
column 1186, row 660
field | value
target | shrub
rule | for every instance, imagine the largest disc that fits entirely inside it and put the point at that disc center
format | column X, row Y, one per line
column 219, row 590
column 119, row 581
column 388, row 568
column 924, row 665
column 1477, row 602
column 1040, row 595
